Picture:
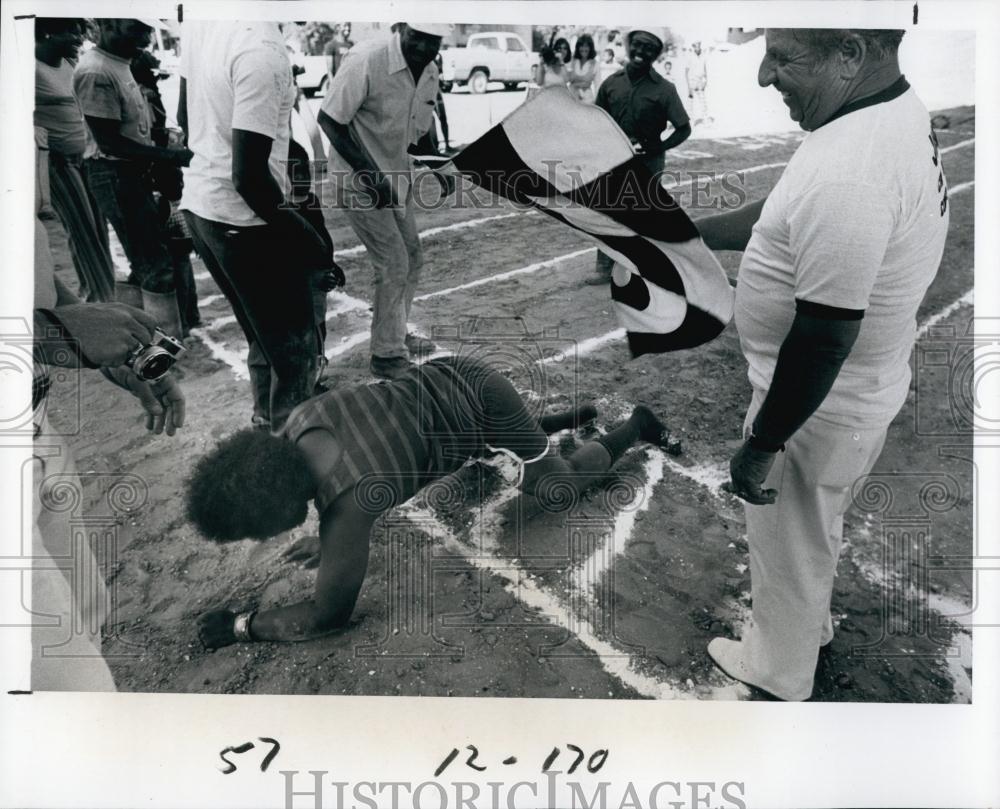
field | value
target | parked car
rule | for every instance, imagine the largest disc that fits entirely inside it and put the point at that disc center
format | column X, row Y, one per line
column 310, row 72
column 488, row 56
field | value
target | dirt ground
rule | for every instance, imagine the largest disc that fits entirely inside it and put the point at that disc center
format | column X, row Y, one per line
column 473, row 590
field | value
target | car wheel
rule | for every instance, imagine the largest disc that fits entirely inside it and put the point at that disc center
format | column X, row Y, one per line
column 446, row 86
column 477, row 82
column 510, row 85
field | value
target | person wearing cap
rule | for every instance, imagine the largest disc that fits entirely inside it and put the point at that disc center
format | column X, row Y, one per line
column 118, row 116
column 642, row 103
column 380, row 102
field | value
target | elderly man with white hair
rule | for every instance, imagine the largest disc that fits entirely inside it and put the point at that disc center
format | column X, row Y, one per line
column 380, row 102
column 837, row 259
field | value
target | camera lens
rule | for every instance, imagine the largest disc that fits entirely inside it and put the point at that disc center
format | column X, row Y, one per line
column 154, row 364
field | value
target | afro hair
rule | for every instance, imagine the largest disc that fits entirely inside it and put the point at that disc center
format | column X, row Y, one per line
column 253, row 485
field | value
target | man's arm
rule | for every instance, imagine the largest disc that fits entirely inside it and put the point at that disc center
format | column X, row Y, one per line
column 731, row 230
column 112, row 143
column 182, row 109
column 344, row 542
column 677, row 137
column 810, row 358
column 345, row 529
column 253, row 181
column 341, row 140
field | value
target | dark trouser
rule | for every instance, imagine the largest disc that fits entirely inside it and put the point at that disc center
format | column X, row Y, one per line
column 605, row 264
column 274, row 306
column 123, row 195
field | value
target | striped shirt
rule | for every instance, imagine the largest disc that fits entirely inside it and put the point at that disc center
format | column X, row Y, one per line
column 402, row 434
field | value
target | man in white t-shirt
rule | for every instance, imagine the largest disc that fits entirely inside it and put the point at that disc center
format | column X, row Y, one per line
column 235, row 106
column 380, row 102
column 837, row 259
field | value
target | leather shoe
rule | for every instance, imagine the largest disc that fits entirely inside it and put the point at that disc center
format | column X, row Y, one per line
column 416, row 344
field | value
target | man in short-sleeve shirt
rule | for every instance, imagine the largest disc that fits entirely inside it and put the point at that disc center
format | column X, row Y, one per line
column 380, row 102
column 837, row 262
column 236, row 101
column 642, row 103
column 119, row 118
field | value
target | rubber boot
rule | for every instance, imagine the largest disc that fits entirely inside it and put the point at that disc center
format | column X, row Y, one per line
column 129, row 294
column 162, row 307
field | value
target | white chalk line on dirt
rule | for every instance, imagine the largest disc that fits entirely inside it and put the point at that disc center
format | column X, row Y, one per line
column 598, row 563
column 960, row 145
column 957, row 660
column 522, row 585
column 966, row 300
column 503, row 276
column 465, row 224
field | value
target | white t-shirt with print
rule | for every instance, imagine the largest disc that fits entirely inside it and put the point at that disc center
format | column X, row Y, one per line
column 858, row 220
column 238, row 77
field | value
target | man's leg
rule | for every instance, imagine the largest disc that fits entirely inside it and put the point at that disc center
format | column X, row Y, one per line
column 75, row 206
column 126, row 201
column 276, row 314
column 794, row 549
column 507, row 426
column 379, row 230
column 603, row 269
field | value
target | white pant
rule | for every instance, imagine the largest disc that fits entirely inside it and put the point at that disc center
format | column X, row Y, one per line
column 69, row 600
column 794, row 548
column 393, row 243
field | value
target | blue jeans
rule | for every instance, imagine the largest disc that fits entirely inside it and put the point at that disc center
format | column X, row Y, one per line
column 123, row 195
column 273, row 303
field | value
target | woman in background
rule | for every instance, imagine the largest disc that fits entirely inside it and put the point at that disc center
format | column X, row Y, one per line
column 553, row 69
column 57, row 44
column 583, row 69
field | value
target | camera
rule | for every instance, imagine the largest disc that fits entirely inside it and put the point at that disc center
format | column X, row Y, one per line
column 151, row 362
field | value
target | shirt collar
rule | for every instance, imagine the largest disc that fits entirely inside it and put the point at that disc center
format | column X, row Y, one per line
column 396, row 60
column 893, row 91
column 110, row 55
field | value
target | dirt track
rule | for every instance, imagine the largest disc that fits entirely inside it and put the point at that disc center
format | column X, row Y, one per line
column 616, row 597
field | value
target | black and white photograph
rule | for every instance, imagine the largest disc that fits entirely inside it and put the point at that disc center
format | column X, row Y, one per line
column 542, row 359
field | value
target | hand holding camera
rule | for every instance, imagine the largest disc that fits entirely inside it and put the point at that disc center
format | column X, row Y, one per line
column 107, row 333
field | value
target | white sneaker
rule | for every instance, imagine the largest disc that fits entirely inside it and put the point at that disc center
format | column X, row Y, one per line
column 728, row 655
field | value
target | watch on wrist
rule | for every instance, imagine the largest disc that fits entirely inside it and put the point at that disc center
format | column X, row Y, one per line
column 241, row 626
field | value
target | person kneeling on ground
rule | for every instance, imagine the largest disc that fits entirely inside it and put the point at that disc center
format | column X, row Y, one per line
column 344, row 448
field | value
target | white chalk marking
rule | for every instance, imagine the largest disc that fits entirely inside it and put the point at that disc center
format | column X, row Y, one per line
column 222, row 352
column 208, row 300
column 958, row 189
column 465, row 224
column 958, row 664
column 720, row 174
column 585, row 347
column 933, row 320
column 503, row 276
column 347, row 343
column 523, row 586
column 597, row 564
column 960, row 145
